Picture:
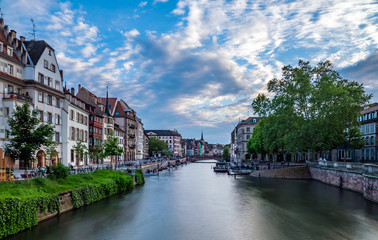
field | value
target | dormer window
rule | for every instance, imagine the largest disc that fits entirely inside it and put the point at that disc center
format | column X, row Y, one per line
column 50, row 52
column 10, row 51
column 53, row 67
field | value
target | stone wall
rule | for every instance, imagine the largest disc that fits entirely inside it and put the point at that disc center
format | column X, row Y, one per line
column 286, row 173
column 355, row 181
column 65, row 206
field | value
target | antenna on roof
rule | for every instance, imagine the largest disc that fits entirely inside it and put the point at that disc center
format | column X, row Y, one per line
column 1, row 13
column 33, row 33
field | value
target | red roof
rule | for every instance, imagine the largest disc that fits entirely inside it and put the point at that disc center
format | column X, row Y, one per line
column 111, row 102
column 12, row 77
column 4, row 53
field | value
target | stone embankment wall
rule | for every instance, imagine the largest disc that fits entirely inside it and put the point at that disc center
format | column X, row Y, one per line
column 355, row 181
column 301, row 172
column 65, row 206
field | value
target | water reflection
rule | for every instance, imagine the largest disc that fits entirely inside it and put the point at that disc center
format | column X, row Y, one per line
column 193, row 202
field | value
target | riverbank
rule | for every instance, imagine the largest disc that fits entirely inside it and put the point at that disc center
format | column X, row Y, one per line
column 25, row 203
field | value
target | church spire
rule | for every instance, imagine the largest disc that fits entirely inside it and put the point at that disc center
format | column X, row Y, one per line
column 201, row 135
column 107, row 103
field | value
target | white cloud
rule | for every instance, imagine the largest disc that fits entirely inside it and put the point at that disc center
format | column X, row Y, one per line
column 142, row 4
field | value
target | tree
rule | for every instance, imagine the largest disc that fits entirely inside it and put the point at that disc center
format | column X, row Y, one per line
column 80, row 151
column 111, row 148
column 28, row 134
column 310, row 109
column 96, row 153
column 156, row 145
column 226, row 153
column 52, row 153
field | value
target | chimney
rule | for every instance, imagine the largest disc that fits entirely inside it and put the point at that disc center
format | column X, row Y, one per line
column 61, row 74
column 73, row 91
column 1, row 24
column 79, row 87
column 5, row 30
column 12, row 36
column 22, row 39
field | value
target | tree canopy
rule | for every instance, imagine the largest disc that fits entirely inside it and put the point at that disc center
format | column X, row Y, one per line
column 312, row 108
column 226, row 153
column 111, row 147
column 156, row 145
column 27, row 134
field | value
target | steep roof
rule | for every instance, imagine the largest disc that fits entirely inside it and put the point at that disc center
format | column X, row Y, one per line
column 36, row 49
column 163, row 132
column 111, row 101
column 84, row 96
column 4, row 53
column 372, row 108
column 250, row 120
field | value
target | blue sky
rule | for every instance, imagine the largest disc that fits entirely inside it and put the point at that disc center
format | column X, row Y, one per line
column 196, row 65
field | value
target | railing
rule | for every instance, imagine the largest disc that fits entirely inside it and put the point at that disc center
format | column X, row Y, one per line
column 363, row 168
column 131, row 145
column 132, row 135
column 17, row 96
column 131, row 125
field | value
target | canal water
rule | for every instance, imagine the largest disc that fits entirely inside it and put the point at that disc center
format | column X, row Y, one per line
column 193, row 202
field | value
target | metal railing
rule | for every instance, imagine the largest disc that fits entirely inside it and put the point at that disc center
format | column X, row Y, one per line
column 17, row 96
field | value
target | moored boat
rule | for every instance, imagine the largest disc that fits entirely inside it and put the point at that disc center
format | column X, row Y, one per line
column 221, row 167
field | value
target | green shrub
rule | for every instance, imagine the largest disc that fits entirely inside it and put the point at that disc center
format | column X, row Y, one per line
column 59, row 171
column 139, row 176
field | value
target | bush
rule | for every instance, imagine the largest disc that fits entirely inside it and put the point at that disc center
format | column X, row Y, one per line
column 139, row 176
column 59, row 171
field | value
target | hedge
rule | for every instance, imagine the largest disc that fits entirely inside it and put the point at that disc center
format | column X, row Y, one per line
column 20, row 202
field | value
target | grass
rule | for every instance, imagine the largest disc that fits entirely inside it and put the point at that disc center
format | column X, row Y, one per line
column 39, row 187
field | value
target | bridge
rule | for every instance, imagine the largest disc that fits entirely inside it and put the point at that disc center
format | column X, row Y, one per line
column 201, row 159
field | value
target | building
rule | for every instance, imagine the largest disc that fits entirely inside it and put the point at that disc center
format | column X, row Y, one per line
column 75, row 128
column 139, row 140
column 12, row 61
column 190, row 146
column 239, row 138
column 172, row 138
column 96, row 122
column 120, row 134
column 44, row 84
column 145, row 146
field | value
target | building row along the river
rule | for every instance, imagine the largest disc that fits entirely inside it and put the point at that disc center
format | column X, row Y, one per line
column 345, row 152
column 29, row 72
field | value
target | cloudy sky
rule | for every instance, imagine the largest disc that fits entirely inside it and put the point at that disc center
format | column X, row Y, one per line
column 196, row 65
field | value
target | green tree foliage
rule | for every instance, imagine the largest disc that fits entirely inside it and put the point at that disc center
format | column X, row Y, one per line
column 59, row 171
column 311, row 109
column 226, row 153
column 111, row 147
column 96, row 153
column 156, row 145
column 80, row 151
column 28, row 134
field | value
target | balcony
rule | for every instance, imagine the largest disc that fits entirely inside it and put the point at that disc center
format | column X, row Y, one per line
column 17, row 96
column 131, row 145
column 131, row 125
column 132, row 135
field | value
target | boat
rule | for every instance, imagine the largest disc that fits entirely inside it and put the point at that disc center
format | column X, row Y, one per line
column 221, row 167
column 239, row 171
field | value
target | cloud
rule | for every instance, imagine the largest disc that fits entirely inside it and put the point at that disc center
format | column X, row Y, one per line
column 142, row 4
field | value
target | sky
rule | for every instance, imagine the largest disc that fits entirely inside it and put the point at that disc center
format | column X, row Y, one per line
column 196, row 65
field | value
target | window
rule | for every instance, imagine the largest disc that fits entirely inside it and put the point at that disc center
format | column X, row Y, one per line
column 248, row 129
column 19, row 73
column 41, row 78
column 10, row 51
column 49, row 117
column 57, row 85
column 49, row 99
column 72, row 133
column 40, row 97
column 90, row 141
column 7, row 112
column 49, row 81
column 50, row 52
column 56, row 137
column 86, row 136
column 7, row 134
column 85, row 120
column 46, row 64
column 100, row 131
column 81, row 135
column 53, row 67
column 1, row 47
column 72, row 115
column 57, row 119
column 57, row 102
column 41, row 116
column 77, row 117
column 10, row 89
column 77, row 134
column 10, row 69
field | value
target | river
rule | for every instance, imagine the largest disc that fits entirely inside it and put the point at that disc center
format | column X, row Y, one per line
column 193, row 202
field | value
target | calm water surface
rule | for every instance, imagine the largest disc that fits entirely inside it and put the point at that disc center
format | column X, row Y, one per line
column 193, row 202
